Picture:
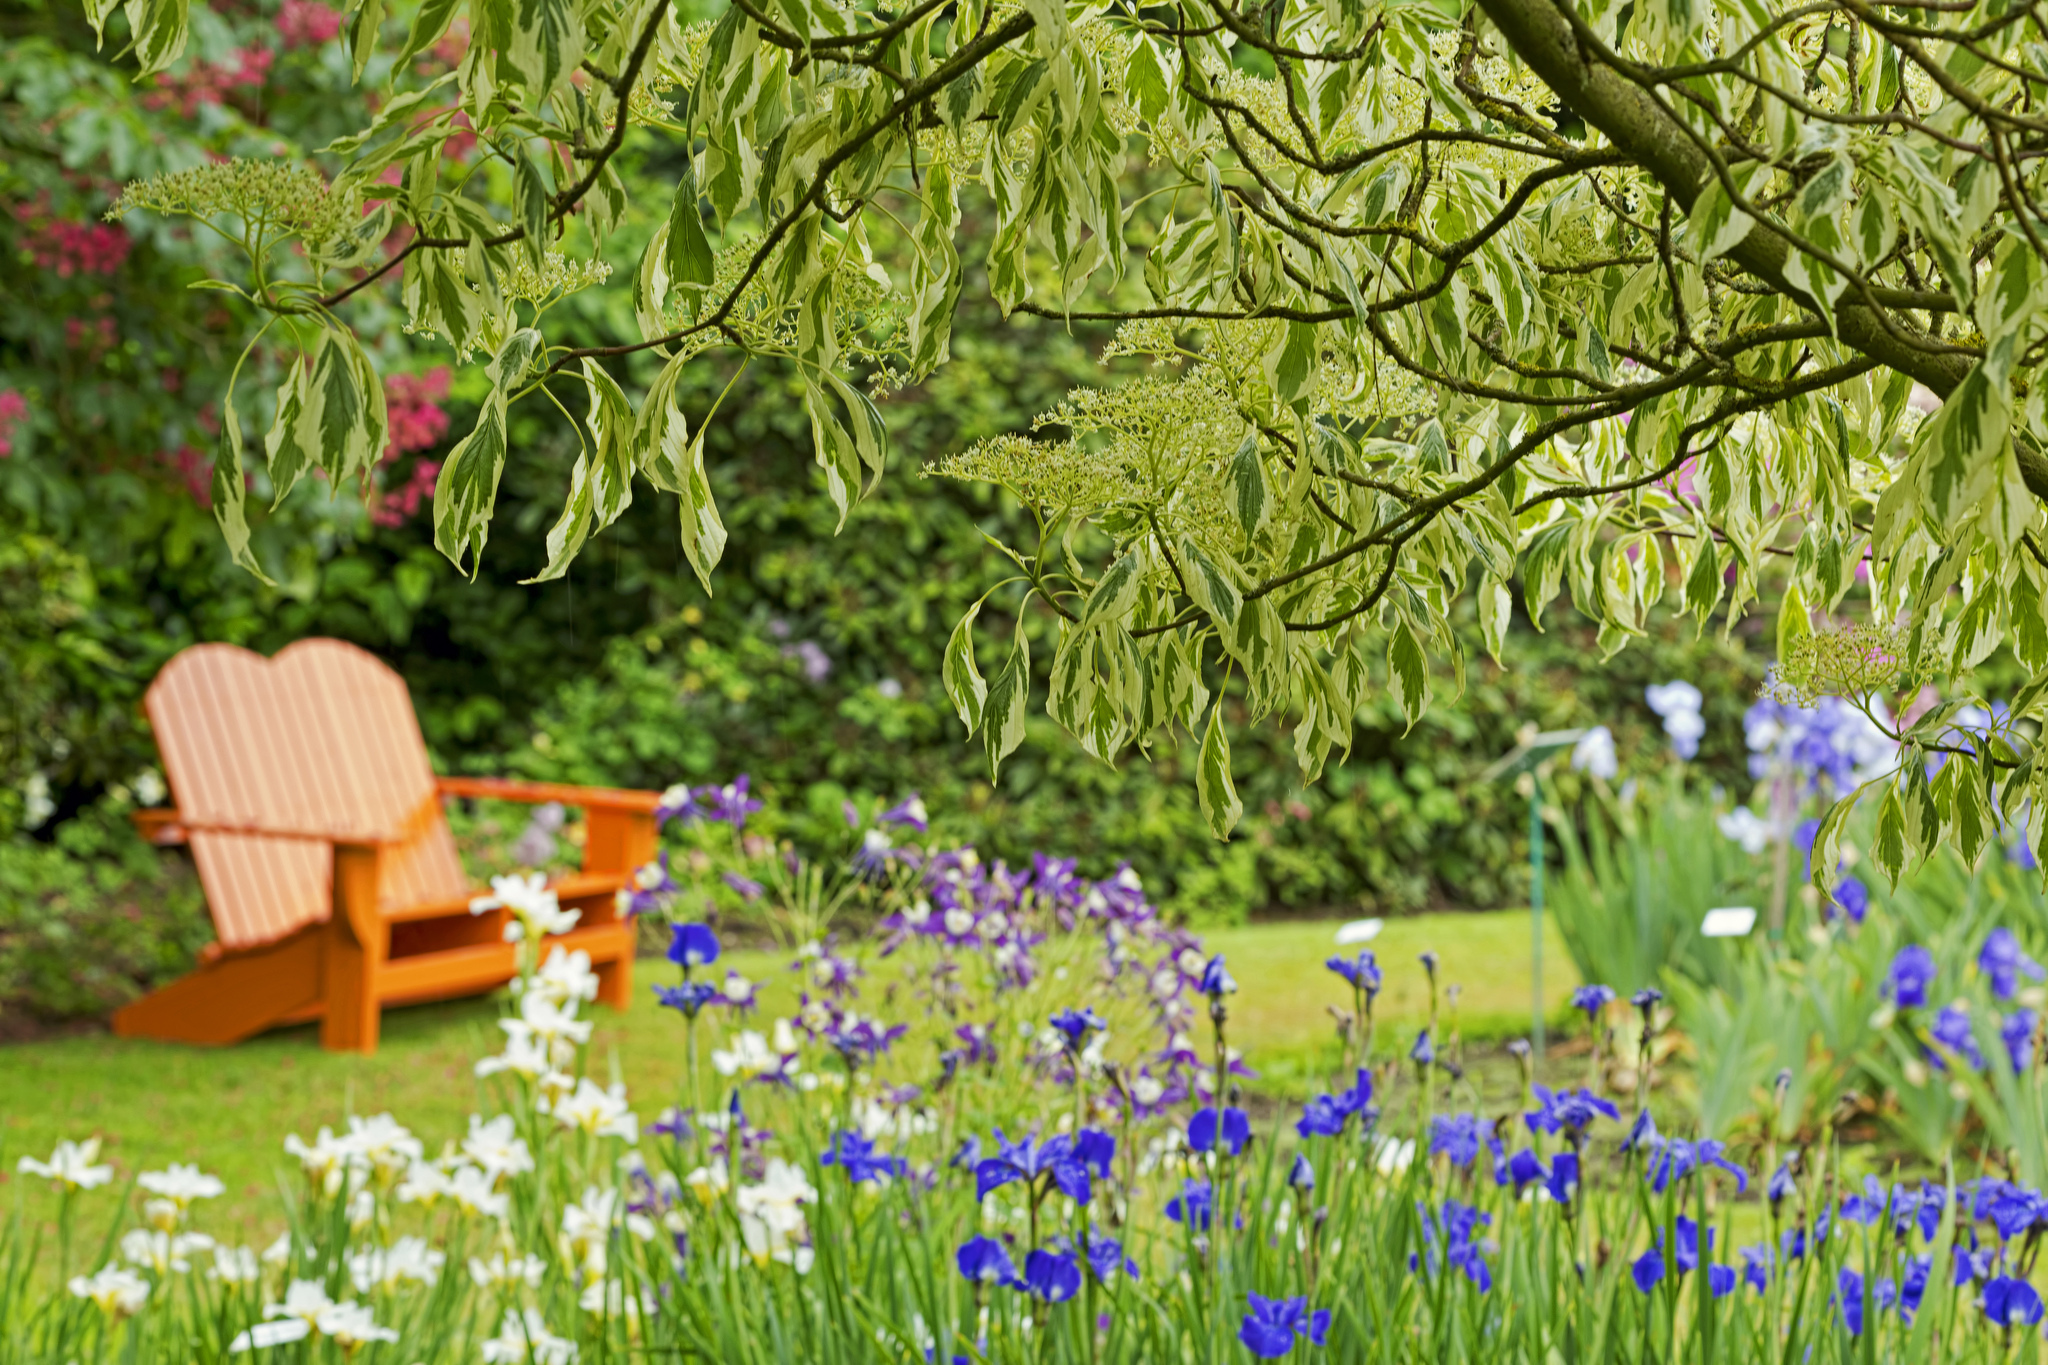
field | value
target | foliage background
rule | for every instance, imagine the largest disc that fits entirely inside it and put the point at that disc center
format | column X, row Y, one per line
column 814, row 667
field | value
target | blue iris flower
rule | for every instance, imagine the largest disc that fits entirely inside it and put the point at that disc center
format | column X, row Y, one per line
column 1648, row 1269
column 1756, row 1267
column 1032, row 1161
column 1095, row 1150
column 2005, row 962
column 1675, row 1158
column 1363, row 971
column 1951, row 1028
column 1563, row 1181
column 984, row 1261
column 1567, row 1109
column 1912, row 972
column 2012, row 1302
column 1270, row 1329
column 1592, row 999
column 1301, row 1176
column 1216, row 982
column 1102, row 1258
column 1074, row 1026
column 1051, row 1276
column 694, row 945
column 1326, row 1115
column 1195, row 1205
column 1206, row 1132
column 860, row 1159
column 688, row 998
column 1456, row 1136
column 2016, row 1031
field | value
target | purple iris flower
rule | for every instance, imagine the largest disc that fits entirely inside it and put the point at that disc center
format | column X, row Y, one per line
column 1521, row 1169
column 1424, row 1052
column 1270, row 1329
column 832, row 972
column 1051, row 1276
column 745, row 887
column 2016, row 1031
column 1646, row 998
column 693, row 945
column 1592, row 999
column 2005, row 962
column 1195, row 1205
column 1301, row 1176
column 1032, row 1161
column 1642, row 1134
column 910, row 812
column 673, row 1123
column 2012, row 1302
column 1074, row 1026
column 859, row 1040
column 678, row 803
column 1721, row 1280
column 1951, row 1028
column 1456, row 1136
column 730, row 804
column 688, row 998
column 1912, row 972
column 1756, row 1267
column 652, row 887
column 1567, row 1109
column 1363, row 971
column 862, row 1161
column 1206, row 1131
column 984, row 1261
column 1217, row 982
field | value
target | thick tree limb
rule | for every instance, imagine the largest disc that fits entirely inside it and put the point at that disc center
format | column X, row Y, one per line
column 1542, row 35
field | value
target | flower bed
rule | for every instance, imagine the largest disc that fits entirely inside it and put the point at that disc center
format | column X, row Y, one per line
column 1034, row 1142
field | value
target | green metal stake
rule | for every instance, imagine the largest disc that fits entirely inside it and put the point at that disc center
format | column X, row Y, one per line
column 1536, row 914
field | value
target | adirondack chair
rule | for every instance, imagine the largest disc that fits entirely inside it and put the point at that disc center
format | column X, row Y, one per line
column 302, row 784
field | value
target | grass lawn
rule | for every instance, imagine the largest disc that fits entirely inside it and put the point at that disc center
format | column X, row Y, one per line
column 229, row 1109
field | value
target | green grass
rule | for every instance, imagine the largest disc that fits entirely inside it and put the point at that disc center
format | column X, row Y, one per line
column 229, row 1109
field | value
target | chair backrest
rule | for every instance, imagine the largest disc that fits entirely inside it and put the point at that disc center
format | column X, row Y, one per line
column 271, row 760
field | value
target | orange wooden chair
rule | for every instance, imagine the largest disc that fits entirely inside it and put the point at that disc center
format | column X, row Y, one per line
column 303, row 787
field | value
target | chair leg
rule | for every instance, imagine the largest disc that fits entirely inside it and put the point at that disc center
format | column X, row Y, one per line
column 354, row 949
column 615, row 979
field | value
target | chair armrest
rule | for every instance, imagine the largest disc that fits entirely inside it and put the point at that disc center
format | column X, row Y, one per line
column 539, row 793
column 159, row 825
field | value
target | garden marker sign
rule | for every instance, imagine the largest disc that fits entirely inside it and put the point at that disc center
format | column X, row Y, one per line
column 1442, row 299
column 1524, row 763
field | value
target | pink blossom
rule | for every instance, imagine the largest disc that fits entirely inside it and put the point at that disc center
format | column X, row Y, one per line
column 454, row 43
column 307, row 23
column 247, row 68
column 65, row 248
column 196, row 470
column 13, row 412
column 399, row 504
column 414, row 402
